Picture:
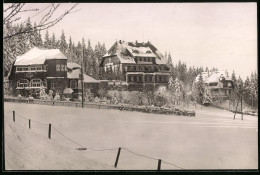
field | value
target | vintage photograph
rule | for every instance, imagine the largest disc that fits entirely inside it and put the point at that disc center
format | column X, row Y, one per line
column 130, row 86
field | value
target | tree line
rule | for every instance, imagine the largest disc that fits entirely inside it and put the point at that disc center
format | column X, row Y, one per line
column 80, row 53
column 182, row 77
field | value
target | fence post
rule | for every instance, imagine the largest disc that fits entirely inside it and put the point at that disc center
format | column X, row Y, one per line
column 30, row 123
column 117, row 157
column 49, row 131
column 159, row 165
column 14, row 116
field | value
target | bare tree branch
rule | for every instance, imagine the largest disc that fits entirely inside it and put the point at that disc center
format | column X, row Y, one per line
column 44, row 23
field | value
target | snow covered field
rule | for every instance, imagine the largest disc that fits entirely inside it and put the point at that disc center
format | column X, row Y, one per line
column 211, row 140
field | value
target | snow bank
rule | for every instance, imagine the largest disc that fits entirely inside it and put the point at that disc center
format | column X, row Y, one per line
column 28, row 150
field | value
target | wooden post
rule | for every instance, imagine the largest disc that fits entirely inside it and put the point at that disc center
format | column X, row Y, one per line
column 14, row 116
column 229, row 103
column 29, row 123
column 117, row 157
column 49, row 131
column 159, row 165
column 82, row 78
column 236, row 109
column 241, row 107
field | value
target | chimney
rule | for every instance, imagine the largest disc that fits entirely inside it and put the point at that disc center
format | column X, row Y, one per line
column 120, row 41
column 136, row 42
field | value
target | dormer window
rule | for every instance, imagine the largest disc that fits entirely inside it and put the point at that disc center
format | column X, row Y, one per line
column 135, row 51
column 148, row 51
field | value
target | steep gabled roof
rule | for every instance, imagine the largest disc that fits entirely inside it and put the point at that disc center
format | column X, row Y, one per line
column 74, row 72
column 38, row 56
column 212, row 77
column 126, row 51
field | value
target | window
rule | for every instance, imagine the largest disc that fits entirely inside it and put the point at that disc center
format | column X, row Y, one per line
column 58, row 67
column 25, row 69
column 132, row 78
column 73, row 84
column 213, row 84
column 39, row 67
column 23, row 83
column 140, row 59
column 33, row 68
column 109, row 60
column 52, row 85
column 36, row 83
column 19, row 69
column 144, row 59
column 140, row 78
column 62, row 68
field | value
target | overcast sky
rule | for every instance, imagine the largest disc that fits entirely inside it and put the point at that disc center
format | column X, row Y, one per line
column 222, row 35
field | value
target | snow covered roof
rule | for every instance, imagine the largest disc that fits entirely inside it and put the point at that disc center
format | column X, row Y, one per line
column 89, row 79
column 212, row 77
column 127, row 51
column 38, row 56
column 72, row 65
column 75, row 73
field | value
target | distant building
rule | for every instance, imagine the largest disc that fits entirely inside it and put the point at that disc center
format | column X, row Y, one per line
column 46, row 69
column 217, row 83
column 139, row 66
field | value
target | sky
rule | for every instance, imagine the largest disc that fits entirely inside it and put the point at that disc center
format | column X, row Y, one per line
column 222, row 35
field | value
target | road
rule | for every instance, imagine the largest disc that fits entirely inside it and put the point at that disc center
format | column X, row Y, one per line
column 211, row 140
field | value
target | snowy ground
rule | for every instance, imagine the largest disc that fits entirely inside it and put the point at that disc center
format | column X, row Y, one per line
column 211, row 140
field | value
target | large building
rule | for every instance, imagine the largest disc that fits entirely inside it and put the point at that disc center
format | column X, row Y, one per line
column 46, row 69
column 138, row 65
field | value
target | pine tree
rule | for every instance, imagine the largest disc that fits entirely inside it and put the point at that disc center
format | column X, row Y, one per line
column 234, row 79
column 70, row 51
column 53, row 42
column 98, row 53
column 30, row 36
column 63, row 44
column 170, row 64
column 38, row 39
column 200, row 88
column 247, row 93
column 89, row 60
column 47, row 42
column 78, row 53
